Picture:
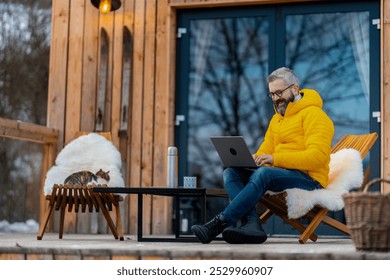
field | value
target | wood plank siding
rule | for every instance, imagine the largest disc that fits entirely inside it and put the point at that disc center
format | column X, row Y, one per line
column 87, row 48
column 385, row 91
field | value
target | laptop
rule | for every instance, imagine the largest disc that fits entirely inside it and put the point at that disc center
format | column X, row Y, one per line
column 233, row 151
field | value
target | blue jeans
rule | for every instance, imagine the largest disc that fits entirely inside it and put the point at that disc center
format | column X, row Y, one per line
column 245, row 187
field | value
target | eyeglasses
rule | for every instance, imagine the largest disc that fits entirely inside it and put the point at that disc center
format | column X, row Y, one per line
column 278, row 93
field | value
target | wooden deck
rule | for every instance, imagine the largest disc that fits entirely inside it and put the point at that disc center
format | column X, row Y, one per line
column 105, row 247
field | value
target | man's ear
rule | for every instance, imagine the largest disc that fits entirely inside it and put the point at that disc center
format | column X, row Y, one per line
column 296, row 90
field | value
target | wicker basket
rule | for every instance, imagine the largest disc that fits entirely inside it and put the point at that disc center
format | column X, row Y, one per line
column 368, row 218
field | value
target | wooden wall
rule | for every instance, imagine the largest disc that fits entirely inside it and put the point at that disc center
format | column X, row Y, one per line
column 75, row 72
column 75, row 69
column 385, row 91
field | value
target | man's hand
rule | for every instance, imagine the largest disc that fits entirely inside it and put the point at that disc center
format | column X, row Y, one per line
column 263, row 159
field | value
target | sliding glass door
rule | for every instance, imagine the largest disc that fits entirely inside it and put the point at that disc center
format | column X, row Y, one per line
column 225, row 55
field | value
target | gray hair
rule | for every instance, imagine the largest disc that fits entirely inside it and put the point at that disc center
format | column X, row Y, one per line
column 284, row 73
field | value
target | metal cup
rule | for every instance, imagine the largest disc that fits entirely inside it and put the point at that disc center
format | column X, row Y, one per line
column 189, row 182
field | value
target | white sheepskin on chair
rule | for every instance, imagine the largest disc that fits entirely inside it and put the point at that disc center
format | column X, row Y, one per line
column 346, row 174
column 89, row 152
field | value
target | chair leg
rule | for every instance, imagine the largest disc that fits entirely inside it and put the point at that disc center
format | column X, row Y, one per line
column 109, row 221
column 266, row 215
column 106, row 215
column 62, row 218
column 336, row 224
column 313, row 225
column 276, row 205
column 63, row 197
column 301, row 228
column 45, row 221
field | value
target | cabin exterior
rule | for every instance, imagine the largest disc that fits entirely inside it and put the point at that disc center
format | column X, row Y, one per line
column 128, row 72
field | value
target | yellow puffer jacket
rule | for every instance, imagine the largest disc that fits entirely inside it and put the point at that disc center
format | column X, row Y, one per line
column 302, row 138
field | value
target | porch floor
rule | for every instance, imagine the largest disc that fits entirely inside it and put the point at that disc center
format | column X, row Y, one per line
column 25, row 246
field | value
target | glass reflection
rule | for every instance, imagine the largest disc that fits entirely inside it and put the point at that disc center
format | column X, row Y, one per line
column 228, row 58
column 330, row 53
column 228, row 69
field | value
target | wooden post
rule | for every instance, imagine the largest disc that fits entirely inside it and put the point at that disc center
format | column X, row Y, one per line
column 385, row 91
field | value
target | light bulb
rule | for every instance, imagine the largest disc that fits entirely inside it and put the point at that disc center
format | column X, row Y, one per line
column 105, row 6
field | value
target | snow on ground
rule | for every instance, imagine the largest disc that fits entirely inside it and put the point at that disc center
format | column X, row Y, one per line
column 27, row 227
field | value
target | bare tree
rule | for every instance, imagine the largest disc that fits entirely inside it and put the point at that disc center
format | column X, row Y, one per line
column 24, row 64
column 227, row 87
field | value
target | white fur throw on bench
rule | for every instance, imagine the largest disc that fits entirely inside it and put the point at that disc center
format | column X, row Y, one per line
column 89, row 152
column 346, row 174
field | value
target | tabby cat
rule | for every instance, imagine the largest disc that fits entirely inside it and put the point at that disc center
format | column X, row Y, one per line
column 84, row 178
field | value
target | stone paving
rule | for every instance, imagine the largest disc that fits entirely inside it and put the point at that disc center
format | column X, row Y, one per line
column 102, row 246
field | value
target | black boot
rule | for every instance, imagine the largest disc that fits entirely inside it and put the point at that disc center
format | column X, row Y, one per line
column 207, row 232
column 250, row 233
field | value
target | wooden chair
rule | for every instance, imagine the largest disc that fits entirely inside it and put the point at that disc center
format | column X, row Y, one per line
column 80, row 198
column 75, row 197
column 276, row 204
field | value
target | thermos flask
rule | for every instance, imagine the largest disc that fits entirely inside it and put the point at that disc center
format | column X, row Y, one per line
column 172, row 165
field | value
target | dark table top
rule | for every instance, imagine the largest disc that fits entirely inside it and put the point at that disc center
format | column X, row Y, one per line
column 162, row 191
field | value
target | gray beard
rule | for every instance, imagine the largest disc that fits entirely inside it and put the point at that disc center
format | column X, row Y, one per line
column 281, row 109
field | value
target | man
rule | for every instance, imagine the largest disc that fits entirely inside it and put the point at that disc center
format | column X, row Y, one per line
column 295, row 153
